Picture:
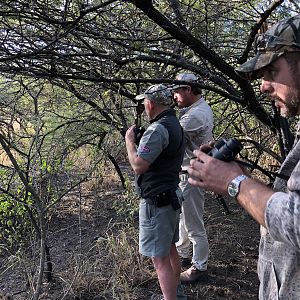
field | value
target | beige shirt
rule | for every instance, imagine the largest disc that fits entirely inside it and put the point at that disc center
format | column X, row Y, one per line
column 197, row 123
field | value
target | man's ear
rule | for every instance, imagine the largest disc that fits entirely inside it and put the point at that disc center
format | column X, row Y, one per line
column 151, row 105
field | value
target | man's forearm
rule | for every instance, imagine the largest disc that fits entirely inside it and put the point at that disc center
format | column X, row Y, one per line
column 253, row 197
column 131, row 152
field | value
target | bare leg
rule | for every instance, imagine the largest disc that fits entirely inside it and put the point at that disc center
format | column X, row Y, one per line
column 175, row 263
column 166, row 277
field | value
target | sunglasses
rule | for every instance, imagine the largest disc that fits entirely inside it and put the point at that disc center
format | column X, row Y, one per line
column 264, row 42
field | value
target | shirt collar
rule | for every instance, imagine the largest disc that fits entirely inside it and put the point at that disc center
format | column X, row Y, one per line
column 163, row 113
column 185, row 109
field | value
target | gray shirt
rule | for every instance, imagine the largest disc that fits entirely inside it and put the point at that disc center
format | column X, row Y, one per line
column 154, row 140
column 197, row 123
column 279, row 251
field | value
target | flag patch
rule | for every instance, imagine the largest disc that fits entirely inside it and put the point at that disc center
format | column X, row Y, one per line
column 144, row 149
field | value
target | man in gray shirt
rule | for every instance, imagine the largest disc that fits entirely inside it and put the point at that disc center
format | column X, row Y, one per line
column 156, row 163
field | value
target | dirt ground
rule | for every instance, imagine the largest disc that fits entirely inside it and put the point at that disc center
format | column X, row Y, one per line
column 233, row 240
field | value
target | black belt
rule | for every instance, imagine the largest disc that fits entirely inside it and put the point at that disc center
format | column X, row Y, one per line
column 150, row 201
column 164, row 199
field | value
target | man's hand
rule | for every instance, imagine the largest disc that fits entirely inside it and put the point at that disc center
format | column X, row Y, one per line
column 212, row 174
column 130, row 136
column 207, row 147
column 138, row 164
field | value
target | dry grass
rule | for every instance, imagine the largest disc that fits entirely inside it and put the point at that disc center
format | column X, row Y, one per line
column 112, row 268
column 94, row 247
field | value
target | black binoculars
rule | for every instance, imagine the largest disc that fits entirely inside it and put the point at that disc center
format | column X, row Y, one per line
column 226, row 150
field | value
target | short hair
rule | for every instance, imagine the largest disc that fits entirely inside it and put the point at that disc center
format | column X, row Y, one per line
column 196, row 90
column 292, row 58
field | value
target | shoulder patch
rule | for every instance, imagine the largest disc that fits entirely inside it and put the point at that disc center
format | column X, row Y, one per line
column 144, row 149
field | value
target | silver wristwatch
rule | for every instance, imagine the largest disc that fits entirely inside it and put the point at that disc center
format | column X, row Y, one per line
column 234, row 186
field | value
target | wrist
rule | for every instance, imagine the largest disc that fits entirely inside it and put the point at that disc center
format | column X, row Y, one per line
column 233, row 188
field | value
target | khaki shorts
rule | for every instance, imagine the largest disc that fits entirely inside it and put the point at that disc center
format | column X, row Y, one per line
column 158, row 229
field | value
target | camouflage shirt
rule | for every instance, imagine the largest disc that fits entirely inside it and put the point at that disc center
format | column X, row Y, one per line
column 279, row 250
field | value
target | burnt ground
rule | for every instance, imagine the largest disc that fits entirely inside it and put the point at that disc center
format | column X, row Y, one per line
column 84, row 269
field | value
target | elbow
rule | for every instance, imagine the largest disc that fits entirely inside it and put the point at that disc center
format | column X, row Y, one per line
column 137, row 171
column 139, row 166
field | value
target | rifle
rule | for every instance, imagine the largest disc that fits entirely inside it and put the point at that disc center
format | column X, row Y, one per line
column 139, row 130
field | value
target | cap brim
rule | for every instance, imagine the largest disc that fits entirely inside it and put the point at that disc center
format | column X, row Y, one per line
column 251, row 69
column 140, row 97
column 178, row 86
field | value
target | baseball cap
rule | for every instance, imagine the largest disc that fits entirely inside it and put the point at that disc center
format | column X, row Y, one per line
column 188, row 77
column 282, row 37
column 157, row 93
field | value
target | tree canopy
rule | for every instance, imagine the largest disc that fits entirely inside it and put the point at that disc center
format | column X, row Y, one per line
column 92, row 48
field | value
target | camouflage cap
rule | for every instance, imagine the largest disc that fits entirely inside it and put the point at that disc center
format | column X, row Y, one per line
column 188, row 77
column 157, row 93
column 282, row 37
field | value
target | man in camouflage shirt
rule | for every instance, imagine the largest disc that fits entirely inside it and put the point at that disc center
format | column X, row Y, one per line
column 277, row 62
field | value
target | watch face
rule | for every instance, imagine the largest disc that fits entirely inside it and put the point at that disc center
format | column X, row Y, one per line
column 232, row 189
column 234, row 186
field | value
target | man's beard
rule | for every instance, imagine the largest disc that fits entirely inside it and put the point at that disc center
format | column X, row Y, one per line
column 292, row 106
